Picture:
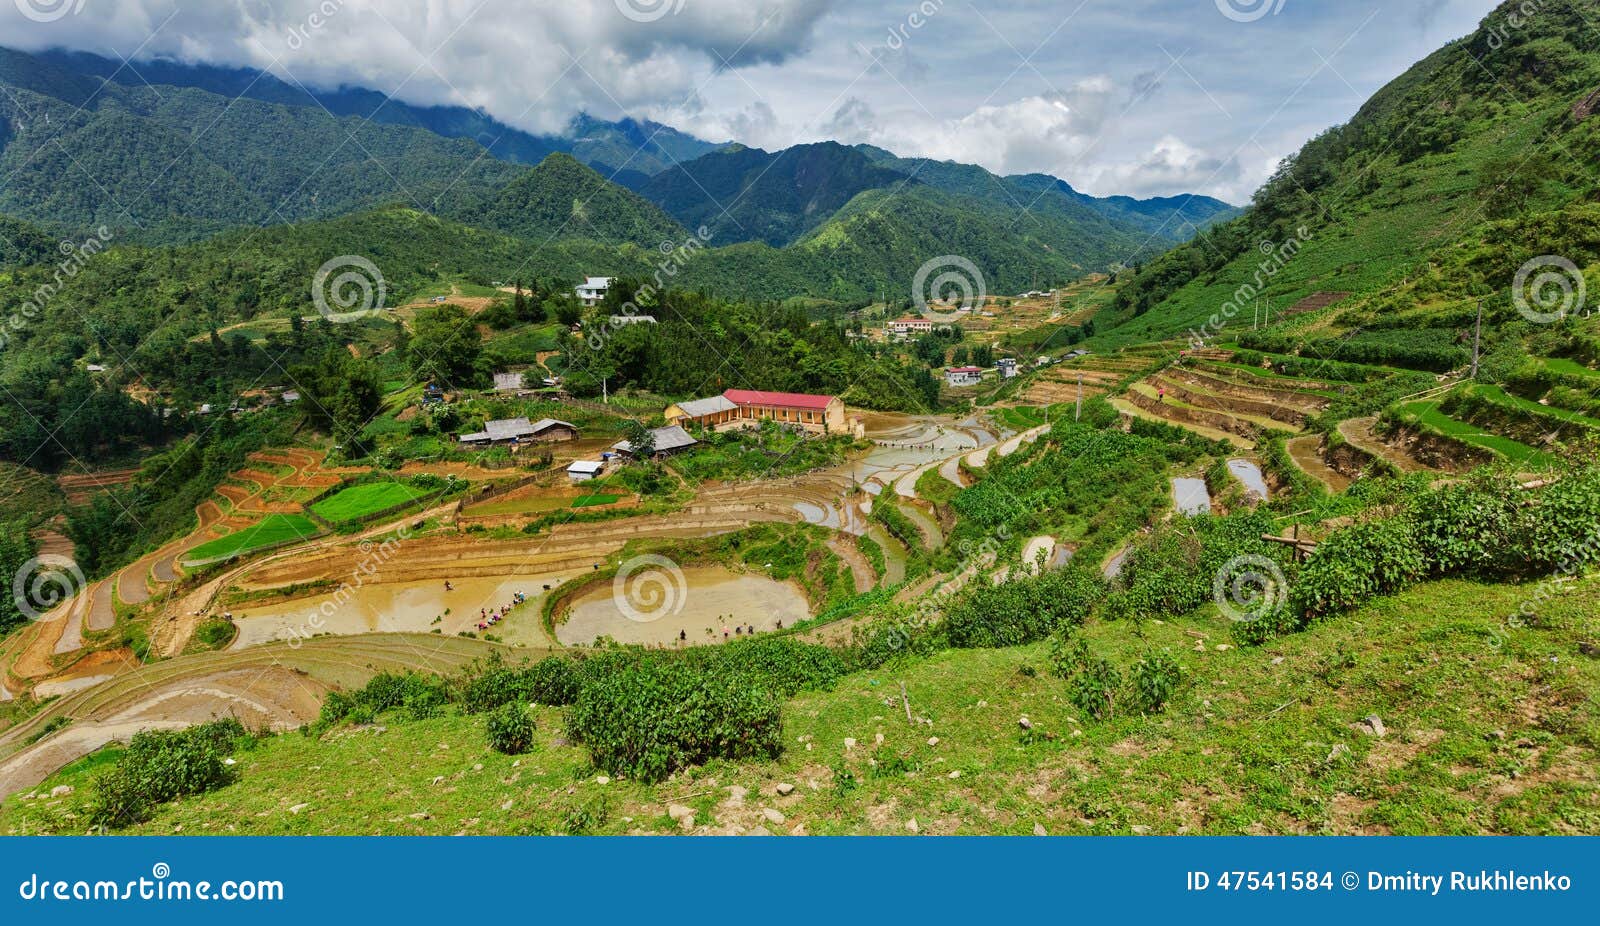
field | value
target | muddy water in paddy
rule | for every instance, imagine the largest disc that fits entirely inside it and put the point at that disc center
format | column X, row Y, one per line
column 707, row 597
column 1249, row 474
column 404, row 607
column 1191, row 496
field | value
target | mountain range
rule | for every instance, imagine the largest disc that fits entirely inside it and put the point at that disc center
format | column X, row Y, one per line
column 162, row 152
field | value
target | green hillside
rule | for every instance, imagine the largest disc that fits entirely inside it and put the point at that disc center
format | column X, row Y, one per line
column 746, row 194
column 561, row 198
column 1044, row 198
column 22, row 243
column 1490, row 129
column 176, row 165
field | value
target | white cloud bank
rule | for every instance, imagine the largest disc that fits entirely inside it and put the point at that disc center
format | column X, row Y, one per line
column 531, row 63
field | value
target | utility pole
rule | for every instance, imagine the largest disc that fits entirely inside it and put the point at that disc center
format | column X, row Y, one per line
column 1477, row 340
column 1078, row 415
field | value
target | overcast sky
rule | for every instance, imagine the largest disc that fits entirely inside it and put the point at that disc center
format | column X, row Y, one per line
column 1140, row 97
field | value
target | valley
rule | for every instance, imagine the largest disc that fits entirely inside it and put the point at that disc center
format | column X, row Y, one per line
column 621, row 482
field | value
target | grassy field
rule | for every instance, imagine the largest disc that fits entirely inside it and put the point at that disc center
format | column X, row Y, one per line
column 359, row 501
column 273, row 529
column 596, row 501
column 1488, row 730
column 1428, row 413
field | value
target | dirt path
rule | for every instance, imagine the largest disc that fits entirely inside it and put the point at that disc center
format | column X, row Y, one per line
column 1361, row 433
column 1307, row 454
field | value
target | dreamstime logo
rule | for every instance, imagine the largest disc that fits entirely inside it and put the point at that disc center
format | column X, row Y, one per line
column 674, row 256
column 1274, row 259
column 1548, row 289
column 1249, row 588
column 48, row 11
column 649, row 588
column 353, row 284
column 649, row 11
column 374, row 556
column 319, row 17
column 44, row 582
column 1249, row 11
column 955, row 274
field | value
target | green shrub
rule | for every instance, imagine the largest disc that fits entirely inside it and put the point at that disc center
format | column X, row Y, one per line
column 786, row 665
column 648, row 716
column 1069, row 654
column 159, row 766
column 1094, row 689
column 552, row 681
column 1469, row 528
column 1024, row 609
column 418, row 696
column 1152, row 682
column 510, row 729
column 1358, row 562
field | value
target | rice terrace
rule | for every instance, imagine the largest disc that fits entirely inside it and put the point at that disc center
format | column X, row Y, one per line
column 530, row 467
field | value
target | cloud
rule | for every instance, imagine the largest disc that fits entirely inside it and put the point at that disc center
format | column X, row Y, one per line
column 1044, row 133
column 532, row 63
column 1169, row 166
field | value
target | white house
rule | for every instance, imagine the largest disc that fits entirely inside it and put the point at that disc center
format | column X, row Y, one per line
column 617, row 321
column 585, row 470
column 963, row 376
column 1008, row 367
column 593, row 290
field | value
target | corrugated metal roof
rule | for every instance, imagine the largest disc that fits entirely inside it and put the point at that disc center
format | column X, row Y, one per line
column 666, row 439
column 700, row 408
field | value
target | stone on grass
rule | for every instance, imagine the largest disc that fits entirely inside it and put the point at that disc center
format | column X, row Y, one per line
column 785, row 789
column 1374, row 725
column 911, row 825
column 678, row 811
column 933, row 741
column 1039, row 830
column 61, row 790
column 297, row 808
column 773, row 816
column 849, row 742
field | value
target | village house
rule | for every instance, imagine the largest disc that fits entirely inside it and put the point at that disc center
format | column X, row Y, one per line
column 509, row 382
column 910, row 325
column 668, row 441
column 705, row 413
column 963, row 376
column 585, row 470
column 1007, row 367
column 521, row 430
column 617, row 321
column 593, row 290
column 821, row 414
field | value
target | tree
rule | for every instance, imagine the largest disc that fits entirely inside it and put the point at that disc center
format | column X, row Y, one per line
column 446, row 347
column 640, row 439
column 17, row 547
column 340, row 394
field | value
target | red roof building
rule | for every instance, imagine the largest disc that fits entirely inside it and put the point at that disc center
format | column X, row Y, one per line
column 821, row 413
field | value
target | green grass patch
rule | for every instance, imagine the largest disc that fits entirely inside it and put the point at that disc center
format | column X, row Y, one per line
column 1428, row 414
column 358, row 502
column 596, row 501
column 271, row 530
